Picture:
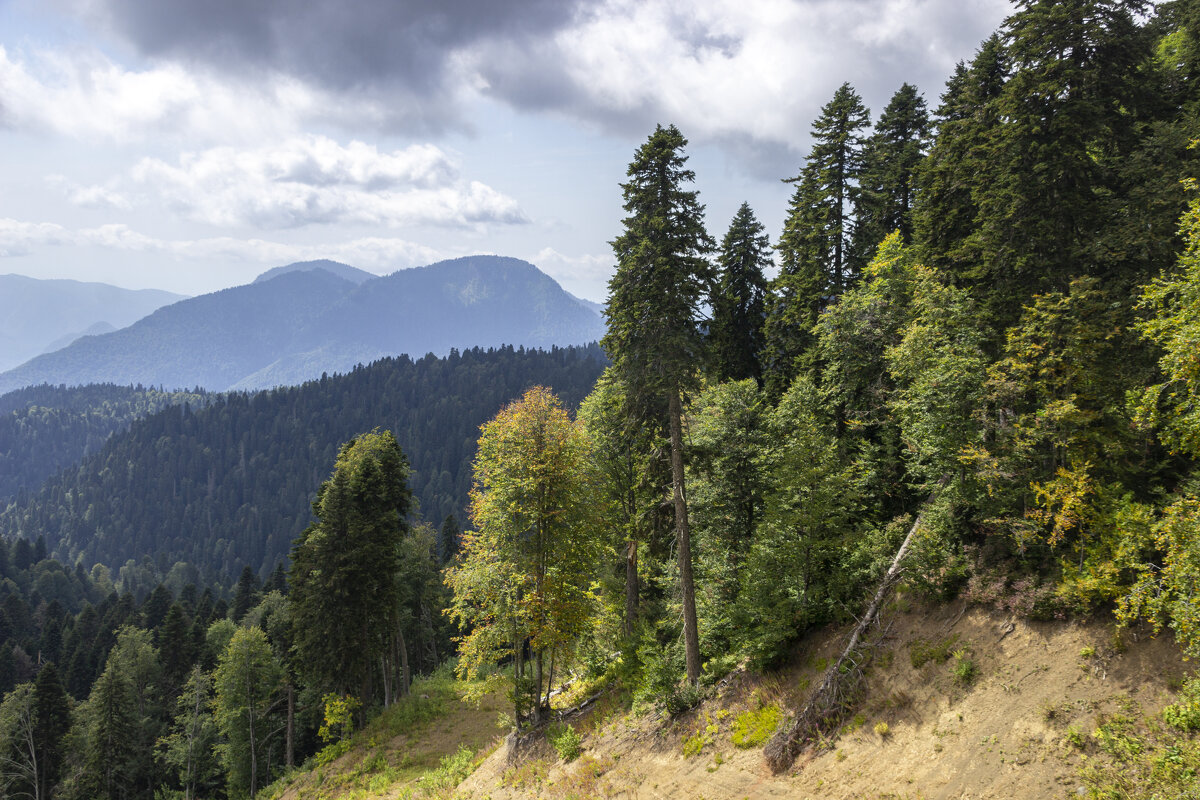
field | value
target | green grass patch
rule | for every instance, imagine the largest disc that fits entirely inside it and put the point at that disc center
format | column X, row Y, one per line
column 753, row 728
column 923, row 651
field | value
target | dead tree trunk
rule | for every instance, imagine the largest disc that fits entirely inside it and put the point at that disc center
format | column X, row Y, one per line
column 840, row 679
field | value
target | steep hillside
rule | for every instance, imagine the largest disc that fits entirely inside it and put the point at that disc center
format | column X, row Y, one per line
column 39, row 314
column 296, row 322
column 1041, row 714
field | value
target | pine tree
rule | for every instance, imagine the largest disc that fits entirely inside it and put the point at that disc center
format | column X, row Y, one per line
column 246, row 594
column 449, row 539
column 801, row 290
column 954, row 173
column 890, row 161
column 51, row 721
column 837, row 161
column 343, row 599
column 736, row 331
column 653, row 311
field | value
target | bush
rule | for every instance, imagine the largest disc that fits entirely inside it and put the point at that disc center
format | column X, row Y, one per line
column 683, row 699
column 566, row 741
column 882, row 730
column 965, row 669
column 753, row 728
column 1185, row 715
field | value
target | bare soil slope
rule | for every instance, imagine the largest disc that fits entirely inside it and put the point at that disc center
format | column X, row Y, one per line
column 994, row 708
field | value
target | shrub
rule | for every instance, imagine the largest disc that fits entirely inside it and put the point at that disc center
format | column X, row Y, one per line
column 753, row 728
column 566, row 741
column 683, row 699
column 965, row 670
column 1185, row 715
column 882, row 730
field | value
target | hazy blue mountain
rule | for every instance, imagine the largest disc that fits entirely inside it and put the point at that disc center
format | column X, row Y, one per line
column 95, row 329
column 352, row 274
column 39, row 313
column 307, row 321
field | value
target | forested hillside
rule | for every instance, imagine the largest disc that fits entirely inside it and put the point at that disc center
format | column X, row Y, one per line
column 231, row 484
column 46, row 428
column 974, row 379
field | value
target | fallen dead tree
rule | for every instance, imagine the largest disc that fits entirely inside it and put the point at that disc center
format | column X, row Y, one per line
column 833, row 694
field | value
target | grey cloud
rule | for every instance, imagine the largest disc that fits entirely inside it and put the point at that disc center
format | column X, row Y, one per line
column 349, row 45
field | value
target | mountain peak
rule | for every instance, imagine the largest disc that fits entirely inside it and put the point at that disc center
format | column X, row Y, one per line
column 345, row 271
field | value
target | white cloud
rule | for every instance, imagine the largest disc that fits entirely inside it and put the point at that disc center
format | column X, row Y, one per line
column 584, row 276
column 83, row 94
column 312, row 180
column 379, row 254
column 756, row 69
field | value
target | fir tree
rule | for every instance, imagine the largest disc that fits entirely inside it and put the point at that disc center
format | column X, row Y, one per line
column 653, row 311
column 737, row 303
column 344, row 598
column 890, row 161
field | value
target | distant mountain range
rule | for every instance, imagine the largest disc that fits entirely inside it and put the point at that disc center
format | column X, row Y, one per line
column 296, row 322
column 44, row 315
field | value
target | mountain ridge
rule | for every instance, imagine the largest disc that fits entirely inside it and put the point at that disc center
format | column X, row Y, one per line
column 298, row 322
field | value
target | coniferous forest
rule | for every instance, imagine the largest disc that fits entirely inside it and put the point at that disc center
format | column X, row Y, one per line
column 968, row 364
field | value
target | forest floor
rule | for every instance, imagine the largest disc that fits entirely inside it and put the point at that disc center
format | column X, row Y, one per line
column 961, row 702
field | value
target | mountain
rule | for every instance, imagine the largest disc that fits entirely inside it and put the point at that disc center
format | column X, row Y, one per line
column 40, row 313
column 231, row 483
column 345, row 271
column 306, row 321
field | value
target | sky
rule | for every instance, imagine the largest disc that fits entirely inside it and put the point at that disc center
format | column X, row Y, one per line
column 191, row 145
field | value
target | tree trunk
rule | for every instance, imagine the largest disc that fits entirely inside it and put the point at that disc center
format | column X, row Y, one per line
column 631, row 586
column 683, row 543
column 404, row 673
column 290, row 732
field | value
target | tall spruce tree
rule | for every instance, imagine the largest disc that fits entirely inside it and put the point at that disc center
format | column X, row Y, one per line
column 737, row 303
column 51, row 721
column 818, row 248
column 801, row 290
column 1068, row 118
column 837, row 158
column 952, row 176
column 344, row 599
column 890, row 161
column 654, row 338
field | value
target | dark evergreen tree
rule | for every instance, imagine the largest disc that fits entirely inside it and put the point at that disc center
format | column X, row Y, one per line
column 737, row 303
column 837, row 162
column 52, row 720
column 654, row 336
column 449, row 539
column 801, row 290
column 344, row 595
column 246, row 594
column 155, row 609
column 890, row 161
column 175, row 646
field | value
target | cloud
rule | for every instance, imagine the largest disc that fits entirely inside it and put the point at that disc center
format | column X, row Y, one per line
column 315, row 180
column 585, row 276
column 83, row 94
column 752, row 75
column 378, row 254
column 755, row 71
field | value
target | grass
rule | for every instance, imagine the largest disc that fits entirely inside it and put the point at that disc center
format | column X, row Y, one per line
column 923, row 651
column 369, row 764
column 753, row 728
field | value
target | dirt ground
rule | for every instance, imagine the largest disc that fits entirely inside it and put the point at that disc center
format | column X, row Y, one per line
column 1018, row 729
